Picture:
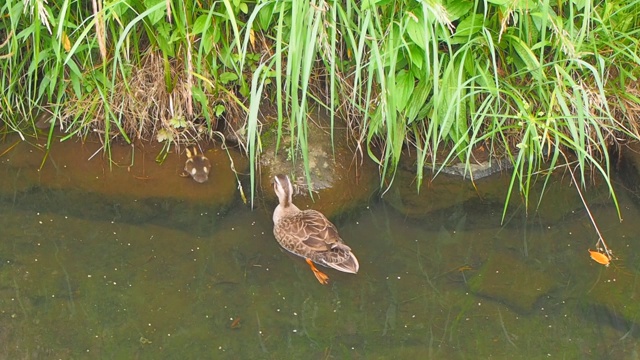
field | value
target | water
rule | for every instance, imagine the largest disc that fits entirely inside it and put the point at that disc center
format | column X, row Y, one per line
column 171, row 275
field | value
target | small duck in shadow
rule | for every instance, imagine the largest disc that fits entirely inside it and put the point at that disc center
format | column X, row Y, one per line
column 197, row 165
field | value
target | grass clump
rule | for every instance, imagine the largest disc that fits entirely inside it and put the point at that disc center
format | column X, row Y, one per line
column 529, row 81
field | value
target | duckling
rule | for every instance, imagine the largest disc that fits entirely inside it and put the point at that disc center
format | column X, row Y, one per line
column 197, row 165
column 309, row 234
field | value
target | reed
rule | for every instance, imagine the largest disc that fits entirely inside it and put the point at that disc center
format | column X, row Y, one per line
column 525, row 80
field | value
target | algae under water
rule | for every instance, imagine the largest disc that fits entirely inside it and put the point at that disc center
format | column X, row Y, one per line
column 82, row 275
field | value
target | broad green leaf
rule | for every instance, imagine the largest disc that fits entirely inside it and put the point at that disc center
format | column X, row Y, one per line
column 209, row 42
column 526, row 55
column 418, row 100
column 458, row 8
column 469, row 26
column 526, row 5
column 405, row 83
column 220, row 109
column 416, row 31
column 367, row 4
column 417, row 56
column 157, row 15
column 265, row 15
column 500, row 2
column 227, row 77
column 200, row 97
column 178, row 122
column 199, row 25
column 76, row 78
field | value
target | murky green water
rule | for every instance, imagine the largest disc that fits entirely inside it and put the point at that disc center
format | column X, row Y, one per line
column 452, row 284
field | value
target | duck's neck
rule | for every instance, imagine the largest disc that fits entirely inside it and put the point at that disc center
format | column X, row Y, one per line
column 287, row 206
column 286, row 201
column 283, row 211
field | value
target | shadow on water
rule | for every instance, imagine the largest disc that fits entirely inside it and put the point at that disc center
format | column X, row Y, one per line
column 78, row 282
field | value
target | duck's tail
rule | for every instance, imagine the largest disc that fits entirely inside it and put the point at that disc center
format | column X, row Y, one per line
column 350, row 265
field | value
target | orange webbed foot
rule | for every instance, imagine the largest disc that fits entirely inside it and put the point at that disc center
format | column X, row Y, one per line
column 322, row 277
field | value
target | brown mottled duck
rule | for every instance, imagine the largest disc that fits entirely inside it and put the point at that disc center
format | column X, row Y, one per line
column 309, row 234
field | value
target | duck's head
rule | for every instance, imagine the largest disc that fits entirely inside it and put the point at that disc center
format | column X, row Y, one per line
column 283, row 189
column 197, row 165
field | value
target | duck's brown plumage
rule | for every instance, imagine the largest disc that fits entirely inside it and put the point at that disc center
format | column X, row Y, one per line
column 197, row 165
column 309, row 233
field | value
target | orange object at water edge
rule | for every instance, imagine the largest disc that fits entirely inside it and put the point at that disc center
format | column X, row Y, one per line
column 599, row 257
column 235, row 324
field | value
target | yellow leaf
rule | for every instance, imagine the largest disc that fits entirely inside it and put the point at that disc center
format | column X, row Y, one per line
column 599, row 257
column 66, row 44
column 252, row 38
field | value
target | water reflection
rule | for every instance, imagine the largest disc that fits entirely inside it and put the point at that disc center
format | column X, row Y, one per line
column 452, row 285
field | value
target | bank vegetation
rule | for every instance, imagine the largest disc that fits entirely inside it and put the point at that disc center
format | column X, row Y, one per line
column 533, row 82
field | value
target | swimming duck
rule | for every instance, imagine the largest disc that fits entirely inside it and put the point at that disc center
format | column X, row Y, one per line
column 197, row 165
column 309, row 234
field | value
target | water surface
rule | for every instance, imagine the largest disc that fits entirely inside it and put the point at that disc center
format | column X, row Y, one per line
column 453, row 283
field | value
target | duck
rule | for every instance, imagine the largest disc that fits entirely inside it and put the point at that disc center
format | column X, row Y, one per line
column 309, row 234
column 197, row 165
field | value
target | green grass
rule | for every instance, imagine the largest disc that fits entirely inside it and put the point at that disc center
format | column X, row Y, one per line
column 531, row 81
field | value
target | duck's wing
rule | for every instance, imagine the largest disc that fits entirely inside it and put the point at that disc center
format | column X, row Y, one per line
column 317, row 232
